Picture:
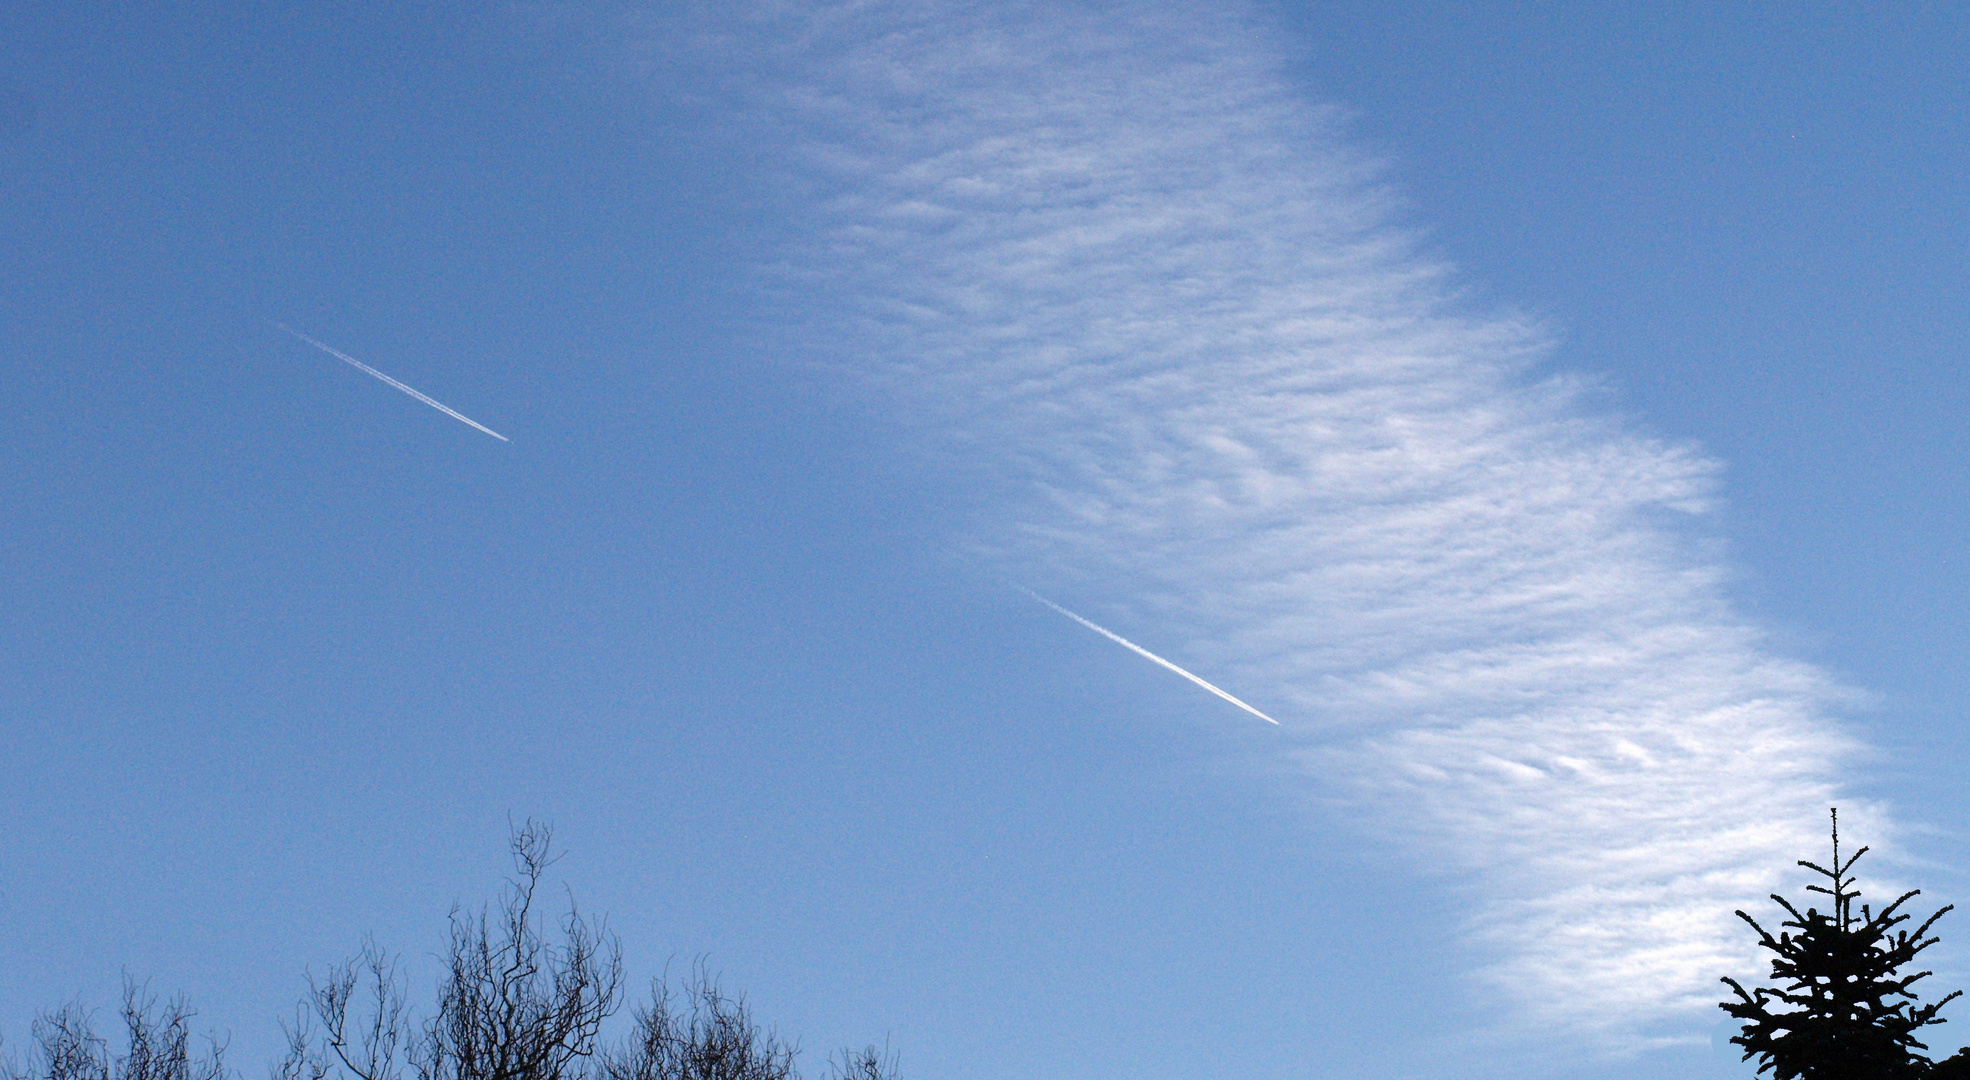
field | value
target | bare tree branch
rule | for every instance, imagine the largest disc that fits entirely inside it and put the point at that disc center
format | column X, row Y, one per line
column 513, row 1007
column 379, row 1032
column 867, row 1063
column 711, row 1036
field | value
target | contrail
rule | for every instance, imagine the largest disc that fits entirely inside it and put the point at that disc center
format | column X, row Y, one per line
column 360, row 366
column 1193, row 348
column 1139, row 650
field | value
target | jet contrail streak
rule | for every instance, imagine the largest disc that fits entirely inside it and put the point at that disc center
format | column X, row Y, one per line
column 1139, row 650
column 360, row 366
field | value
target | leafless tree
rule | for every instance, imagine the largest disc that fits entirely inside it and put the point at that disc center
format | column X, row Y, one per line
column 867, row 1063
column 369, row 1042
column 157, row 1045
column 511, row 1006
column 709, row 1036
column 67, row 1047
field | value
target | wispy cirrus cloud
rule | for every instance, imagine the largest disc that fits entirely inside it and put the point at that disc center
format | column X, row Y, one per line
column 1122, row 264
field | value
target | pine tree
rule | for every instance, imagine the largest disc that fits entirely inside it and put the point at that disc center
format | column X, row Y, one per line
column 1853, row 1016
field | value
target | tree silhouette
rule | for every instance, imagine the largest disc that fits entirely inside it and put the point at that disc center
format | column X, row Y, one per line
column 157, row 1045
column 511, row 1006
column 712, row 1038
column 515, row 1002
column 1853, row 1015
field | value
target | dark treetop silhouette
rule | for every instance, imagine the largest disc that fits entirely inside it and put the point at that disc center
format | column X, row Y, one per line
column 1853, row 1015
column 512, row 1005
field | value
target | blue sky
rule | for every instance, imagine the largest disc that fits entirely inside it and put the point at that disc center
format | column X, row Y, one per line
column 1550, row 414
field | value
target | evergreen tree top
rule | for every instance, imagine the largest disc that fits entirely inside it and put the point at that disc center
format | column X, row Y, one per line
column 1852, row 1015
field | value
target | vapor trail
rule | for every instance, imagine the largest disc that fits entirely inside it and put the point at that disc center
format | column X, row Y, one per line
column 1139, row 650
column 1171, row 328
column 426, row 399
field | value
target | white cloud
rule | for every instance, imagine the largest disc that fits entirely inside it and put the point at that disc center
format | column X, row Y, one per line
column 1121, row 264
